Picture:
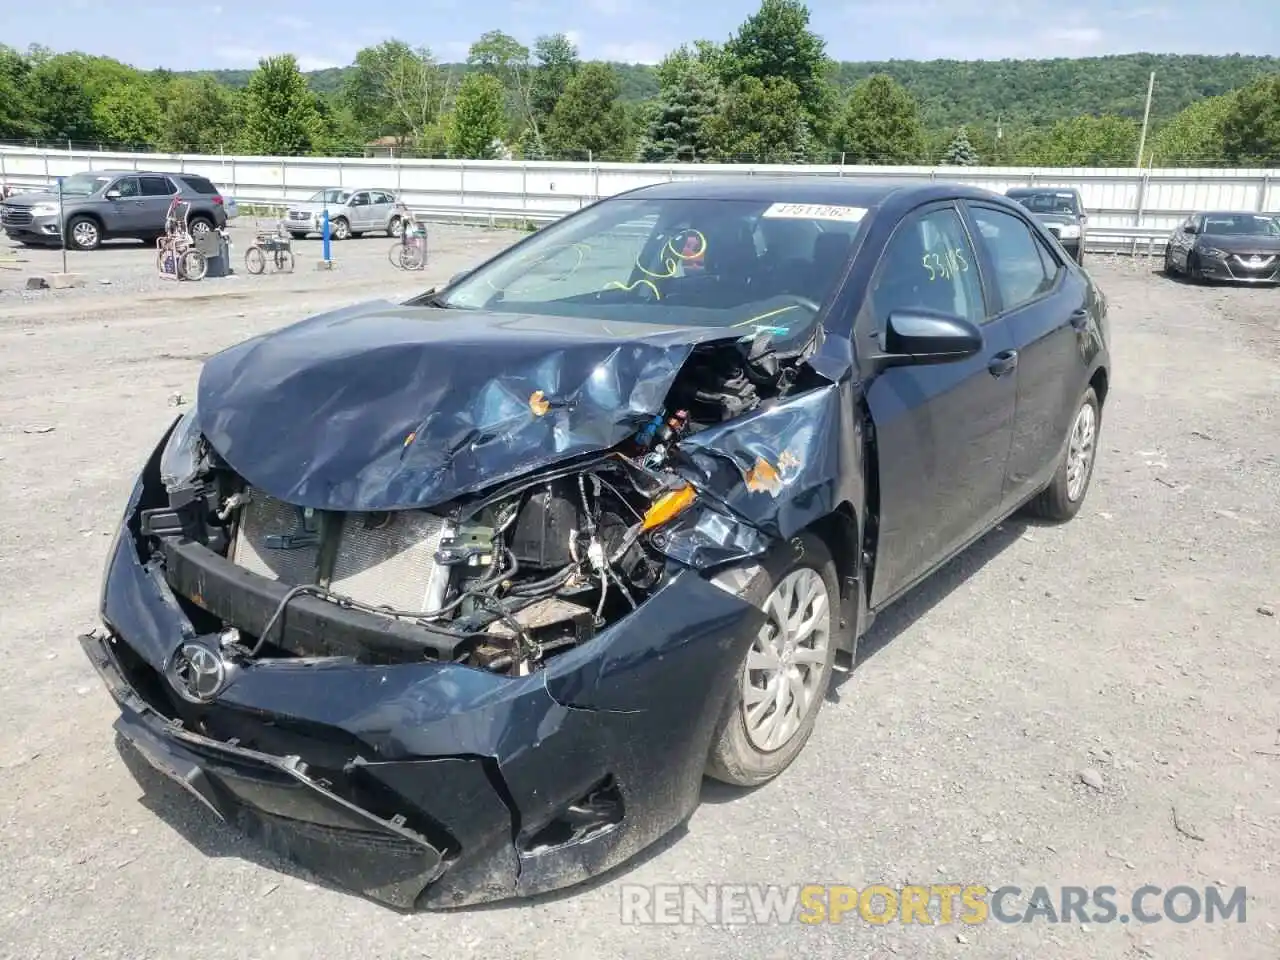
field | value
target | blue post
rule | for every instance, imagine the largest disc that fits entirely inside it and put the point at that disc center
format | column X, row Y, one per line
column 62, row 226
column 324, row 233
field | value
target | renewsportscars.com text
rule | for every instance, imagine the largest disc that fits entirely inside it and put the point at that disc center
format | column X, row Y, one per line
column 925, row 904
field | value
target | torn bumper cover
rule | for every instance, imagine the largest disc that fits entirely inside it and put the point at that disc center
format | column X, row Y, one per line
column 429, row 784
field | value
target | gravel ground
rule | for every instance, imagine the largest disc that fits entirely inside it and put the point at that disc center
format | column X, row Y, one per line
column 1035, row 714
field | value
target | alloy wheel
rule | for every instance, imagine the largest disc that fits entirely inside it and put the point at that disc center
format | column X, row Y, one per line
column 1080, row 450
column 784, row 669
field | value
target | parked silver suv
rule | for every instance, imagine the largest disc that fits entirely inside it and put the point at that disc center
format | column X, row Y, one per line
column 351, row 213
column 111, row 204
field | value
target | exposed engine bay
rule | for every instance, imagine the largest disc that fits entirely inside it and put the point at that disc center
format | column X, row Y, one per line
column 501, row 580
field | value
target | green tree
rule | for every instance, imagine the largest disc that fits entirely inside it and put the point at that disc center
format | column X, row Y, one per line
column 478, row 119
column 127, row 113
column 1090, row 142
column 690, row 96
column 1251, row 128
column 281, row 117
column 63, row 108
column 17, row 109
column 960, row 152
column 776, row 43
column 761, row 122
column 880, row 124
column 394, row 90
column 201, row 117
column 503, row 57
column 1194, row 137
column 589, row 121
column 557, row 62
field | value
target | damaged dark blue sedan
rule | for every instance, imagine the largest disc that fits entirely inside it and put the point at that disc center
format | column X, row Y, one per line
column 459, row 599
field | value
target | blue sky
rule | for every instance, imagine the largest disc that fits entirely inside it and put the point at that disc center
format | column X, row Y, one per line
column 234, row 33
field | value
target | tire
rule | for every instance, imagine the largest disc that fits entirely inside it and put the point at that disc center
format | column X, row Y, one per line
column 339, row 229
column 254, row 260
column 410, row 257
column 284, row 261
column 297, row 236
column 747, row 758
column 1061, row 500
column 85, row 233
column 199, row 227
column 1193, row 268
column 193, row 265
column 1169, row 269
column 395, row 227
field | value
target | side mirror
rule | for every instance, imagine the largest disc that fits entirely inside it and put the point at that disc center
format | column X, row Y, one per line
column 112, row 194
column 918, row 337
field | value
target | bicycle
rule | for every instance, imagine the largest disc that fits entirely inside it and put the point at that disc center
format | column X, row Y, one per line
column 409, row 252
column 275, row 242
column 176, row 255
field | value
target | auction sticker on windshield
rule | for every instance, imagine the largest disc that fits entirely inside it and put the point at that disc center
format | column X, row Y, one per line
column 814, row 211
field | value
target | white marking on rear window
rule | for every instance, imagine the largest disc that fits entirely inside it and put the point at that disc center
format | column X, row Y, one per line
column 814, row 211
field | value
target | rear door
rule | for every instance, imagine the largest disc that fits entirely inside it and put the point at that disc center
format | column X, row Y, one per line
column 383, row 203
column 157, row 193
column 942, row 431
column 1045, row 305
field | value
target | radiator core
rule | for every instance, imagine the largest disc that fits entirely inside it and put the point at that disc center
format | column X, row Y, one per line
column 382, row 559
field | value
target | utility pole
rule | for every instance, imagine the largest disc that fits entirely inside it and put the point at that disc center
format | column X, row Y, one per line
column 1146, row 117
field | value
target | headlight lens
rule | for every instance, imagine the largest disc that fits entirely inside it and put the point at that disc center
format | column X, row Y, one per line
column 1070, row 232
column 1212, row 252
column 44, row 210
column 181, row 455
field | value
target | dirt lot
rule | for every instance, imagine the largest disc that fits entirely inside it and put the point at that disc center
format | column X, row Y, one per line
column 1136, row 648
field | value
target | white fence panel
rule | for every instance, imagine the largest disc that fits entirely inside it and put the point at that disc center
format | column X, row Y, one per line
column 1144, row 200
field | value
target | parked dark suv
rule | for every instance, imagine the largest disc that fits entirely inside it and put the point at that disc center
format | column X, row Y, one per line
column 109, row 205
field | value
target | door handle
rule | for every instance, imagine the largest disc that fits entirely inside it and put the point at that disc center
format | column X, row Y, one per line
column 1080, row 318
column 1004, row 362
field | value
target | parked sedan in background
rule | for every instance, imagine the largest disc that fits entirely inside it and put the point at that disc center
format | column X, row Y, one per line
column 458, row 599
column 351, row 213
column 1061, row 210
column 1240, row 246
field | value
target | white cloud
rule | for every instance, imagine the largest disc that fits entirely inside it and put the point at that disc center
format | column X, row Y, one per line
column 635, row 52
column 306, row 62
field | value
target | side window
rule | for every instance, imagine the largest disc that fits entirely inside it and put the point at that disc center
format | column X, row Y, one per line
column 157, row 187
column 1021, row 274
column 128, row 186
column 360, row 199
column 383, row 198
column 929, row 264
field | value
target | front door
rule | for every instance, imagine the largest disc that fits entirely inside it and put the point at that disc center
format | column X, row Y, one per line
column 360, row 207
column 942, row 431
column 124, row 214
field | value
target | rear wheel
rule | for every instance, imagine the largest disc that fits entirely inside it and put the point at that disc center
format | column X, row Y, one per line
column 254, row 261
column 395, row 227
column 1061, row 500
column 783, row 678
column 411, row 257
column 193, row 265
column 199, row 227
column 284, row 260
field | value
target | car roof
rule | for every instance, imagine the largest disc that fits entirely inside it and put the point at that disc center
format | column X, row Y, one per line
column 1035, row 191
column 1233, row 213
column 866, row 192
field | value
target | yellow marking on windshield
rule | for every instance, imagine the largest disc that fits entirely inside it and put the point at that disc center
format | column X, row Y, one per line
column 619, row 285
column 670, row 258
column 765, row 316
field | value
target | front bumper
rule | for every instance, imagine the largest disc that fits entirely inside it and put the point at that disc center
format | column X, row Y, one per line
column 34, row 230
column 1235, row 269
column 433, row 784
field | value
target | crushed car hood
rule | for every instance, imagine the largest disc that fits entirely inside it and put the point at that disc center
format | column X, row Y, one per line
column 382, row 406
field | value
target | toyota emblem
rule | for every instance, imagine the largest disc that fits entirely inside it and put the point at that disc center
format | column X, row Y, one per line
column 199, row 672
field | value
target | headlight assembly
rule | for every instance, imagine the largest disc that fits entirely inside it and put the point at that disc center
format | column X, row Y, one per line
column 1070, row 232
column 44, row 210
column 181, row 456
column 1213, row 252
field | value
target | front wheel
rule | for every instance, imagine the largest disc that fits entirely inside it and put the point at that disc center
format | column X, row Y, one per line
column 783, row 678
column 411, row 257
column 339, row 229
column 85, row 233
column 254, row 261
column 1062, row 498
column 284, row 261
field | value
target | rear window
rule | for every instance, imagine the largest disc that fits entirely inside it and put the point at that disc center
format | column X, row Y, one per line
column 200, row 185
column 1050, row 201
